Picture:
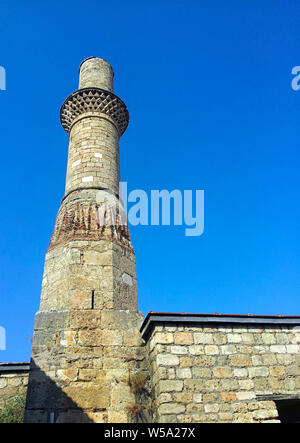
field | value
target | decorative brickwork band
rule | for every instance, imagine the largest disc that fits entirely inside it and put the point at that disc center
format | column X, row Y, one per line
column 94, row 100
column 84, row 220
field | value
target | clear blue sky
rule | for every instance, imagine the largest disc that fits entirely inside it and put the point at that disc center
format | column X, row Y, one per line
column 208, row 87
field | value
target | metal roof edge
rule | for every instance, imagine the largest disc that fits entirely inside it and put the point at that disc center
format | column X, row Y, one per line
column 14, row 367
column 153, row 318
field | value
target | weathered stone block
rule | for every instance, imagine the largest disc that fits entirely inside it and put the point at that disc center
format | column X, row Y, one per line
column 183, row 397
column 211, row 408
column 167, row 360
column 171, row 408
column 262, row 371
column 196, row 349
column 183, row 338
column 201, row 372
column 170, row 385
column 186, row 361
column 89, row 395
column 179, row 349
column 222, row 372
column 211, row 350
column 183, row 373
column 87, row 319
column 240, row 360
column 228, row 396
column 203, row 338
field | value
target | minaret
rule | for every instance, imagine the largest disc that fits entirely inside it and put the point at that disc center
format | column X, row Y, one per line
column 86, row 342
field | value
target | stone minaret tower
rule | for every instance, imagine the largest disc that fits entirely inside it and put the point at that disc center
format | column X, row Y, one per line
column 86, row 343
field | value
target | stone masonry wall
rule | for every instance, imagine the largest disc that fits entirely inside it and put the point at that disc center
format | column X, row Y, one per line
column 12, row 383
column 214, row 374
column 86, row 361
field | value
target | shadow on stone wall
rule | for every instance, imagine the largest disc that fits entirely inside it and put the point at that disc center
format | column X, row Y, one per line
column 48, row 403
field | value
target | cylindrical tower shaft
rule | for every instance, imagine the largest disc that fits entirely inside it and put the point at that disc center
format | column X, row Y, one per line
column 96, row 73
column 88, row 322
column 93, row 159
column 95, row 119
